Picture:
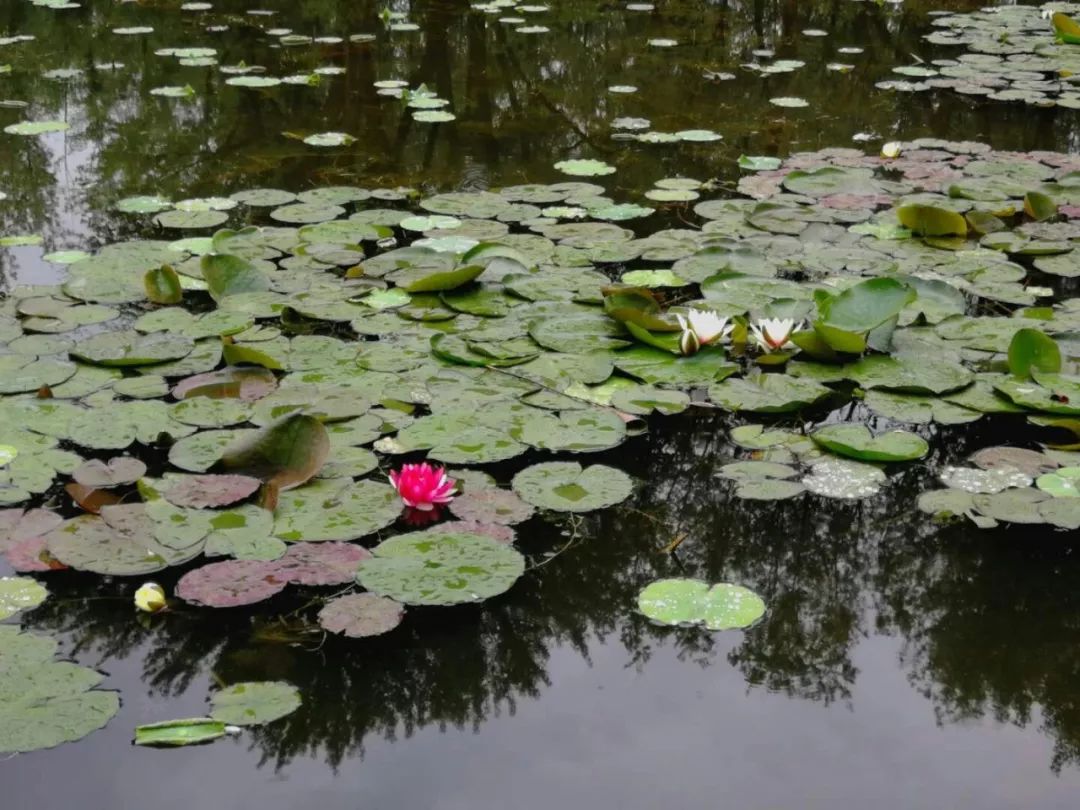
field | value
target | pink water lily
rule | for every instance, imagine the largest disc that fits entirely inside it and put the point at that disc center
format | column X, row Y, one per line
column 421, row 486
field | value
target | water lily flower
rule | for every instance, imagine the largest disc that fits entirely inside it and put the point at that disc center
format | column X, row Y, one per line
column 891, row 150
column 708, row 327
column 689, row 343
column 150, row 598
column 421, row 486
column 773, row 334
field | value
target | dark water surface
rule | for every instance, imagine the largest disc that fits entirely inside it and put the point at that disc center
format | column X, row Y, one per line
column 901, row 664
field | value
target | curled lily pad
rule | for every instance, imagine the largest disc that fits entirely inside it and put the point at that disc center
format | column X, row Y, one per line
column 116, row 472
column 440, row 568
column 254, row 703
column 568, row 487
column 359, row 615
column 175, row 733
column 284, row 454
column 687, row 602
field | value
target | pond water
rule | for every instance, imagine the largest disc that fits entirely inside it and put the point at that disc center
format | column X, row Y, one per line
column 903, row 660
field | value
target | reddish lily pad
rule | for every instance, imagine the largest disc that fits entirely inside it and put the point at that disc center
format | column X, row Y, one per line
column 22, row 539
column 247, row 384
column 320, row 563
column 202, row 491
column 496, row 531
column 230, row 583
column 492, row 506
column 32, row 555
column 116, row 472
column 358, row 615
column 17, row 526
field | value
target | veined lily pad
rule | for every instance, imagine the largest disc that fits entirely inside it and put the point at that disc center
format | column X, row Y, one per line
column 359, row 615
column 568, row 487
column 856, row 441
column 686, row 602
column 440, row 568
column 254, row 703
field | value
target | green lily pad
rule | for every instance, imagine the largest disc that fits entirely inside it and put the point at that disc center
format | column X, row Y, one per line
column 856, row 441
column 175, row 733
column 440, row 568
column 335, row 509
column 19, row 593
column 688, row 602
column 769, row 393
column 44, row 703
column 254, row 703
column 564, row 486
column 1062, row 483
column 585, row 168
column 132, row 348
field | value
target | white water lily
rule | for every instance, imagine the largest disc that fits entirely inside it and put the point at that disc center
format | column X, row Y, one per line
column 689, row 343
column 773, row 334
column 708, row 327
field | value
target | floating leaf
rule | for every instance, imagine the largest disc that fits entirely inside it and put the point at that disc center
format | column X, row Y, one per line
column 19, row 593
column 320, row 563
column 44, row 703
column 254, row 703
column 490, row 505
column 440, row 568
column 116, row 472
column 686, row 602
column 930, row 220
column 568, row 487
column 175, row 733
column 856, row 441
column 359, row 615
column 1063, row 483
column 584, row 168
column 1031, row 348
column 230, row 583
column 202, row 491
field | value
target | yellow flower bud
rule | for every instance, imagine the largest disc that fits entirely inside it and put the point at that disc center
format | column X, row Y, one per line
column 891, row 150
column 150, row 598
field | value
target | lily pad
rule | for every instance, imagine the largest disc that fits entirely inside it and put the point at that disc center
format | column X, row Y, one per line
column 440, row 568
column 856, row 441
column 230, row 583
column 254, row 703
column 688, row 602
column 565, row 486
column 18, row 594
column 360, row 615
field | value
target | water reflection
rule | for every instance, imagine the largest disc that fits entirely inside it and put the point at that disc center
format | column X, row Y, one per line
column 987, row 620
column 522, row 101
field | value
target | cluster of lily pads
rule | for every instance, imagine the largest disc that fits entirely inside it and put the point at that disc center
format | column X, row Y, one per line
column 285, row 364
column 1012, row 53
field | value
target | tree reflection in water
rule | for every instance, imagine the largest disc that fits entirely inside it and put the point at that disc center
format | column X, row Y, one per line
column 988, row 620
